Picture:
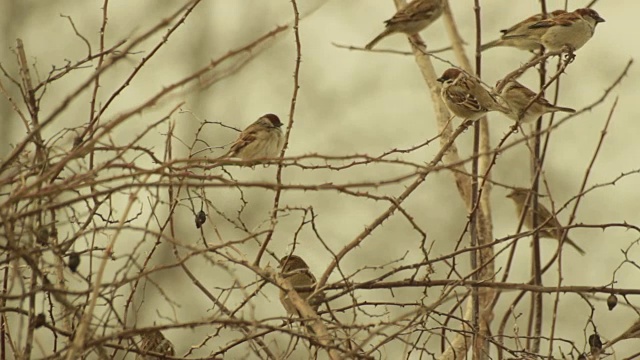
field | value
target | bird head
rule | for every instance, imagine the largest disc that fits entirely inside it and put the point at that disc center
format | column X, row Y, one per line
column 587, row 13
column 292, row 262
column 450, row 75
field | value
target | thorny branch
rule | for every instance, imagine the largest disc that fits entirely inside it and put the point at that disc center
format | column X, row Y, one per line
column 101, row 245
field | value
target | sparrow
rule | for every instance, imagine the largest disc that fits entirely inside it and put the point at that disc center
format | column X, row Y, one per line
column 571, row 30
column 466, row 97
column 518, row 97
column 156, row 342
column 294, row 269
column 552, row 228
column 411, row 19
column 262, row 139
column 522, row 27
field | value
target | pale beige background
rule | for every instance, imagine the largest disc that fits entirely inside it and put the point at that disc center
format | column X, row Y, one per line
column 356, row 102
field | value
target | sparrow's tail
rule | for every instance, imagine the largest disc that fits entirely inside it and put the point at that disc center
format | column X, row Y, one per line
column 575, row 246
column 373, row 42
column 564, row 109
column 490, row 44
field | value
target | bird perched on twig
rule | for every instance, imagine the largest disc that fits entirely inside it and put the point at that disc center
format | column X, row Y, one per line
column 296, row 270
column 262, row 139
column 466, row 97
column 156, row 342
column 570, row 30
column 551, row 228
column 510, row 36
column 411, row 19
column 518, row 97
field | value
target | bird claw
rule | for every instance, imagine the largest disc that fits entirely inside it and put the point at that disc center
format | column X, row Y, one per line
column 467, row 123
column 569, row 54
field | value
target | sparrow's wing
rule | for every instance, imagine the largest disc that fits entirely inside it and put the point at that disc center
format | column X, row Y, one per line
column 531, row 20
column 465, row 99
column 416, row 10
column 528, row 93
column 244, row 140
column 524, row 95
column 561, row 20
column 522, row 24
column 544, row 215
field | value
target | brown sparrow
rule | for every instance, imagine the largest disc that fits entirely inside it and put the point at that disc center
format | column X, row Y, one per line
column 571, row 30
column 156, row 342
column 551, row 229
column 521, row 28
column 466, row 97
column 262, row 139
column 411, row 19
column 518, row 97
column 295, row 270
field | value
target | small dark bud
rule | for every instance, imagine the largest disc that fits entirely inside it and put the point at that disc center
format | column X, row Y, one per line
column 39, row 321
column 42, row 235
column 612, row 301
column 201, row 218
column 74, row 261
column 595, row 342
column 77, row 141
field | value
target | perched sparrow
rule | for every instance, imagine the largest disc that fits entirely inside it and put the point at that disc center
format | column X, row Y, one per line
column 518, row 29
column 297, row 272
column 518, row 97
column 411, row 19
column 262, row 139
column 571, row 30
column 552, row 228
column 465, row 97
column 156, row 342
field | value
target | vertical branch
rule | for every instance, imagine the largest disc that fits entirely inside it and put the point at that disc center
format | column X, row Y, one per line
column 30, row 100
column 456, row 39
column 473, row 218
column 536, row 170
column 292, row 109
column 463, row 181
column 3, row 317
column 96, row 82
column 32, row 315
column 479, row 201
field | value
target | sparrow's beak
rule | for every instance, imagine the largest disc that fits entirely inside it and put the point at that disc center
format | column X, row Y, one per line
column 440, row 80
column 599, row 19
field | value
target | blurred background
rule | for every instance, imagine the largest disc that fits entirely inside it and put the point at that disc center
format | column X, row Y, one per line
column 350, row 102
